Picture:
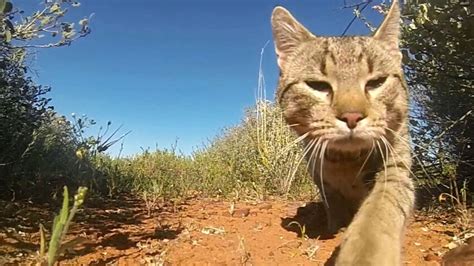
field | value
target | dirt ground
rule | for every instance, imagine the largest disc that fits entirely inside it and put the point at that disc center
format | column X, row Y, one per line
column 203, row 231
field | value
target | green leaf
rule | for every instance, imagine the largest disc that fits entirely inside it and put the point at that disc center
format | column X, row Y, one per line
column 45, row 20
column 65, row 208
column 58, row 226
column 69, row 34
column 3, row 4
column 8, row 7
column 8, row 36
column 54, row 8
column 9, row 25
column 42, row 241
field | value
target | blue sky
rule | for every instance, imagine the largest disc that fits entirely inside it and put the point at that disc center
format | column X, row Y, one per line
column 173, row 69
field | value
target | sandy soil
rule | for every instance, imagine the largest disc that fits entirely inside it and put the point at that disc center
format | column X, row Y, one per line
column 203, row 231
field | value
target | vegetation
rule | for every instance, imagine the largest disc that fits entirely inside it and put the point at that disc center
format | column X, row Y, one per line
column 244, row 162
column 38, row 145
column 438, row 40
column 42, row 151
column 60, row 227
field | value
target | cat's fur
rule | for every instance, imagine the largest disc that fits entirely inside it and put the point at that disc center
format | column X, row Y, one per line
column 348, row 96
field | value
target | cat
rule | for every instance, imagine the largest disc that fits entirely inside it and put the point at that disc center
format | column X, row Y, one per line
column 348, row 99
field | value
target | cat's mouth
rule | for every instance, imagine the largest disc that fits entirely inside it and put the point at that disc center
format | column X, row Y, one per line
column 343, row 144
column 349, row 147
column 340, row 155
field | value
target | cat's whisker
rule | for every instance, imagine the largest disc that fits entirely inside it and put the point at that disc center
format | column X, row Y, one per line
column 294, row 125
column 384, row 163
column 308, row 147
column 390, row 148
column 406, row 141
column 415, row 156
column 398, row 157
column 302, row 137
column 365, row 162
column 294, row 142
column 404, row 163
column 312, row 158
column 321, row 158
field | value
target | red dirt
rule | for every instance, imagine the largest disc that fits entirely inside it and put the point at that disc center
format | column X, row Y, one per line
column 203, row 231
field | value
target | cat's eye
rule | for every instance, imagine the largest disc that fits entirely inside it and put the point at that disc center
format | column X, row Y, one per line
column 375, row 83
column 320, row 86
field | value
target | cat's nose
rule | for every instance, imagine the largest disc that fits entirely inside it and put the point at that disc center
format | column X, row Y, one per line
column 351, row 118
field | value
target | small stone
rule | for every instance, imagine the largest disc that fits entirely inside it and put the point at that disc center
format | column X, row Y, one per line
column 241, row 212
column 430, row 257
column 265, row 206
column 451, row 245
column 212, row 231
column 226, row 214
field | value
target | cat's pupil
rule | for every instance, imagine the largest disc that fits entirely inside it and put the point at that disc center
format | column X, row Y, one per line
column 375, row 83
column 320, row 86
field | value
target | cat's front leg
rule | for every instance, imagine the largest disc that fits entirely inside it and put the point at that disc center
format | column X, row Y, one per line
column 375, row 235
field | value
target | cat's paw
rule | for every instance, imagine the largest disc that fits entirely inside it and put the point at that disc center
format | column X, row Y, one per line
column 367, row 250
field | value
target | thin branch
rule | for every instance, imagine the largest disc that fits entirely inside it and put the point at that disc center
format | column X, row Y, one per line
column 450, row 127
column 355, row 16
column 356, row 5
column 61, row 43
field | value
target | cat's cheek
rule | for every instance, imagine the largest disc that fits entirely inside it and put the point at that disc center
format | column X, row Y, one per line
column 296, row 118
column 394, row 119
column 377, row 94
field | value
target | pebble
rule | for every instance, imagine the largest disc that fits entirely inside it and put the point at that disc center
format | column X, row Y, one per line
column 265, row 206
column 241, row 212
column 430, row 257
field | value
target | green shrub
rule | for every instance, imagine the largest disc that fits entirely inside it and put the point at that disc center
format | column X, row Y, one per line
column 258, row 157
column 61, row 224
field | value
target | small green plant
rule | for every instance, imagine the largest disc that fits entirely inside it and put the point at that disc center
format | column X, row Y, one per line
column 61, row 225
column 458, row 199
column 151, row 196
column 302, row 229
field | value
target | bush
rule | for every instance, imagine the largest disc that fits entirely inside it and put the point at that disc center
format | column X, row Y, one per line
column 252, row 160
column 257, row 158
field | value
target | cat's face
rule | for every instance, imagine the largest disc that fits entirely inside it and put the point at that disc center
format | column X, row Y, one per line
column 347, row 90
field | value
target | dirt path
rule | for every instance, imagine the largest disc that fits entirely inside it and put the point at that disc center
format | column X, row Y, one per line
column 204, row 232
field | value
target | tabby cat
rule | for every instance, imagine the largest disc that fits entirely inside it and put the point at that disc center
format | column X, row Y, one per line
column 347, row 98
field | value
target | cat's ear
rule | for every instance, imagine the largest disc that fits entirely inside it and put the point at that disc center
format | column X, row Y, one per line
column 288, row 33
column 389, row 31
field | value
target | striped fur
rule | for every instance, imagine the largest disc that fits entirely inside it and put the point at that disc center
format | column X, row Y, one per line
column 363, row 173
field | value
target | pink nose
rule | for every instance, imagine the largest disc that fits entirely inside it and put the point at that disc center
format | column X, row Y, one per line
column 351, row 119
